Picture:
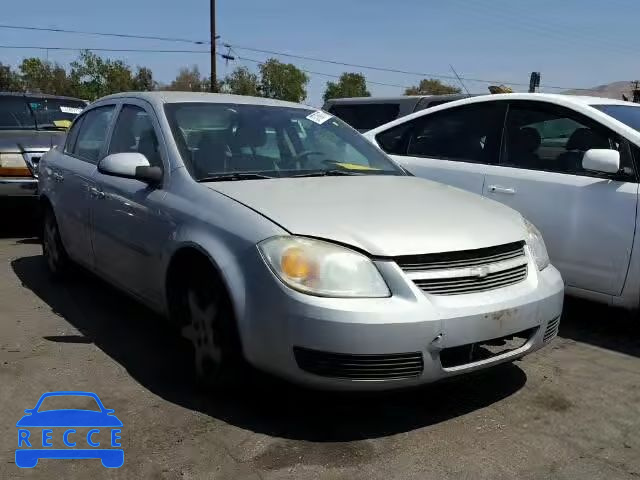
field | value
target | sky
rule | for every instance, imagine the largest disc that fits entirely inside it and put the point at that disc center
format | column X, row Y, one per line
column 573, row 43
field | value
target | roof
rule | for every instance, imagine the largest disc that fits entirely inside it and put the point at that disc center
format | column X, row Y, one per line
column 553, row 97
column 38, row 95
column 185, row 97
column 399, row 98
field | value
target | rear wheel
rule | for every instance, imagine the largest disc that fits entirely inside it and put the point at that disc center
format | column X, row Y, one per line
column 208, row 323
column 53, row 250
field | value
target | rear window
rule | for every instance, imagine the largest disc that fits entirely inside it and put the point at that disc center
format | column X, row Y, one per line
column 366, row 116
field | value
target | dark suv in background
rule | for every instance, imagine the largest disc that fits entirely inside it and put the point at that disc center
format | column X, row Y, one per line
column 365, row 113
column 30, row 124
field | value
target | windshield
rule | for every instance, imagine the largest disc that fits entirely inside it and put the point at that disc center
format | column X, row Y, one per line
column 629, row 115
column 215, row 139
column 30, row 112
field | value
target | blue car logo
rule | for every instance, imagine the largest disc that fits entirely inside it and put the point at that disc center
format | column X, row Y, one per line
column 69, row 425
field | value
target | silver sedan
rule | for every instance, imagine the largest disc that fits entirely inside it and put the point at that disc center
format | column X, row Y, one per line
column 273, row 233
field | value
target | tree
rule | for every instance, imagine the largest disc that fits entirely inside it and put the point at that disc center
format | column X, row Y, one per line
column 283, row 81
column 143, row 80
column 9, row 80
column 349, row 85
column 44, row 77
column 93, row 77
column 431, row 86
column 242, row 82
column 189, row 80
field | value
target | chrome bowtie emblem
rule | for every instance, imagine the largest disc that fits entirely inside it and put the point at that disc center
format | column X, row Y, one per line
column 480, row 272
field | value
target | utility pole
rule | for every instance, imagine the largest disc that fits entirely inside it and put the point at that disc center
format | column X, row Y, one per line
column 214, row 83
column 636, row 91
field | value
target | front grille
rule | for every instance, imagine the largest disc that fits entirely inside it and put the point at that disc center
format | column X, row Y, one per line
column 468, row 271
column 552, row 329
column 459, row 285
column 360, row 367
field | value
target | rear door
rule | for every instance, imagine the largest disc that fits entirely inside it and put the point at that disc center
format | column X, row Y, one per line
column 587, row 218
column 453, row 146
column 72, row 172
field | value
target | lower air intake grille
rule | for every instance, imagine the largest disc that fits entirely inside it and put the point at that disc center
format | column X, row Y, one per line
column 359, row 367
column 552, row 329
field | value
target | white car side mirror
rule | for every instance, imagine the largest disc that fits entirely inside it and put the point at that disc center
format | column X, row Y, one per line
column 130, row 165
column 601, row 160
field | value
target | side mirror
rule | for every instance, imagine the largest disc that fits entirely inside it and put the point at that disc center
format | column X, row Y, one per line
column 601, row 160
column 130, row 165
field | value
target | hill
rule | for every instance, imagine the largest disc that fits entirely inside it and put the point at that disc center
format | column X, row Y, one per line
column 610, row 90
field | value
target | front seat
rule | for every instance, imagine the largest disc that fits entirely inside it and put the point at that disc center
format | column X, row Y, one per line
column 212, row 156
column 523, row 147
column 580, row 141
column 148, row 146
column 249, row 136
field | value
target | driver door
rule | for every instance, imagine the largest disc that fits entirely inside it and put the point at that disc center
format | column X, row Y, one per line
column 130, row 227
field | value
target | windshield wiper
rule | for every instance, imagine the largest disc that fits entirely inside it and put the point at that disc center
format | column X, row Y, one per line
column 223, row 177
column 327, row 173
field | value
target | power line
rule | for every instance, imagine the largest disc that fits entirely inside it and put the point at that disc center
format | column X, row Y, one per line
column 311, row 72
column 392, row 70
column 77, row 49
column 106, row 34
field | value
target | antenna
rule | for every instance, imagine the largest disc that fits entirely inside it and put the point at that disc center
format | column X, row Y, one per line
column 459, row 79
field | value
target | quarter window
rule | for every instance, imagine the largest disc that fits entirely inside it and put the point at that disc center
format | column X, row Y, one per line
column 73, row 135
column 93, row 133
column 134, row 132
column 550, row 138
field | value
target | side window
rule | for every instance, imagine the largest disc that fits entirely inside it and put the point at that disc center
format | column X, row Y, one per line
column 546, row 137
column 469, row 134
column 93, row 133
column 134, row 133
column 72, row 136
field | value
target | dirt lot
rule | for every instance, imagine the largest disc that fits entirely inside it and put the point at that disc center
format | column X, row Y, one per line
column 571, row 410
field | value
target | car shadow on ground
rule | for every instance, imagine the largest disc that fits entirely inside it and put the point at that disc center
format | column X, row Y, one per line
column 152, row 353
column 602, row 326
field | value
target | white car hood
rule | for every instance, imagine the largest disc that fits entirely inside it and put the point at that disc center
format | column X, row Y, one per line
column 382, row 215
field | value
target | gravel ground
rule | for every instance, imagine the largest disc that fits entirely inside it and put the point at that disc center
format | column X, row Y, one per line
column 571, row 410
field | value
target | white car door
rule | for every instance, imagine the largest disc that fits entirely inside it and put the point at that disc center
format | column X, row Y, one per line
column 129, row 226
column 72, row 171
column 587, row 218
column 452, row 146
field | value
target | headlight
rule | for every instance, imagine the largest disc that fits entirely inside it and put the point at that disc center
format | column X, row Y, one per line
column 537, row 246
column 322, row 268
column 13, row 165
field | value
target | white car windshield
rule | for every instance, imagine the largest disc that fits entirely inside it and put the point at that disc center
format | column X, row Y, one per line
column 252, row 141
column 629, row 115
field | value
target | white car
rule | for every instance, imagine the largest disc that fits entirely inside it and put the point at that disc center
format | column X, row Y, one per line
column 567, row 163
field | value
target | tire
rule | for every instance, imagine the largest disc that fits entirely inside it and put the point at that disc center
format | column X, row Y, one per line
column 207, row 322
column 53, row 250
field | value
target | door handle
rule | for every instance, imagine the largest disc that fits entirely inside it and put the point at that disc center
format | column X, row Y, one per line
column 94, row 192
column 499, row 189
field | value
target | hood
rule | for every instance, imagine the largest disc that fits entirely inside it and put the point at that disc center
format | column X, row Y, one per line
column 383, row 215
column 19, row 141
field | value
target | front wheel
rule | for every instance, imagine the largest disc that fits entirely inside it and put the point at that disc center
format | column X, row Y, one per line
column 208, row 324
column 53, row 250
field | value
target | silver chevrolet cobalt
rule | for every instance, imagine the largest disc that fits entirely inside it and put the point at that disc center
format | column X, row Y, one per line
column 273, row 233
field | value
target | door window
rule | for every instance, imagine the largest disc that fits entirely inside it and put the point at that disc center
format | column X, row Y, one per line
column 134, row 132
column 72, row 136
column 468, row 134
column 545, row 137
column 93, row 133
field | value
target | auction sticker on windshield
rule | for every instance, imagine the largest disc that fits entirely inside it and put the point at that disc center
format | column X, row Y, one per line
column 319, row 117
column 55, row 429
column 72, row 110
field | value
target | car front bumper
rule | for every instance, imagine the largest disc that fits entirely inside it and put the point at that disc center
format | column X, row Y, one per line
column 408, row 339
column 18, row 187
